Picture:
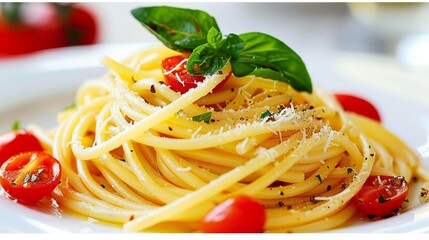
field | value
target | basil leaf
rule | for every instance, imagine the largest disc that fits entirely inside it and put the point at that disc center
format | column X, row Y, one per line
column 206, row 117
column 211, row 57
column 214, row 38
column 233, row 45
column 265, row 114
column 180, row 29
column 266, row 56
column 205, row 60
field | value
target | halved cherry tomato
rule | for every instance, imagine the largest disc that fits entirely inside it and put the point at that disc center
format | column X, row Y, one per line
column 241, row 214
column 178, row 78
column 30, row 176
column 358, row 105
column 16, row 142
column 381, row 196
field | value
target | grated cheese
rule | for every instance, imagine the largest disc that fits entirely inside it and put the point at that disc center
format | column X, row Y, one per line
column 186, row 169
column 176, row 67
column 241, row 147
column 180, row 80
column 331, row 135
column 323, row 198
column 196, row 132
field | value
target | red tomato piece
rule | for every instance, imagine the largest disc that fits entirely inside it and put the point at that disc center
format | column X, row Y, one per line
column 38, row 27
column 81, row 26
column 30, row 176
column 381, row 196
column 16, row 142
column 358, row 105
column 241, row 214
column 178, row 78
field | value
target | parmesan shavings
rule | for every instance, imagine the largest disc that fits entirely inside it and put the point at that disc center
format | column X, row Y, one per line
column 331, row 135
column 186, row 169
column 241, row 147
column 180, row 80
column 176, row 67
column 322, row 198
column 424, row 194
column 196, row 132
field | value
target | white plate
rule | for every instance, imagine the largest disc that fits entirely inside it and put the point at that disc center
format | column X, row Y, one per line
column 34, row 89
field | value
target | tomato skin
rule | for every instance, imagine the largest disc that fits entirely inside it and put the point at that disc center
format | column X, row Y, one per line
column 37, row 185
column 185, row 81
column 357, row 105
column 39, row 28
column 241, row 214
column 378, row 200
column 81, row 26
column 15, row 142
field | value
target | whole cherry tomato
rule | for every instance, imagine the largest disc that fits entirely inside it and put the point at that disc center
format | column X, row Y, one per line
column 358, row 105
column 26, row 28
column 16, row 142
column 178, row 78
column 81, row 26
column 30, row 27
column 381, row 196
column 30, row 176
column 241, row 214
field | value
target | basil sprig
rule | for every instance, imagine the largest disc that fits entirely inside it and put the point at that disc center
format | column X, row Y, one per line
column 252, row 53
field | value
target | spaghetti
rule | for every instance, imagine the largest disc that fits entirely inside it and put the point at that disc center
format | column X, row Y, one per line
column 132, row 153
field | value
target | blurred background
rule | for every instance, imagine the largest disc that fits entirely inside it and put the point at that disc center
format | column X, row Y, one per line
column 315, row 30
column 384, row 28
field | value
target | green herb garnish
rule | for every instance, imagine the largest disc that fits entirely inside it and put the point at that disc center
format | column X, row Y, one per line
column 69, row 107
column 16, row 125
column 265, row 114
column 206, row 117
column 252, row 53
column 381, row 199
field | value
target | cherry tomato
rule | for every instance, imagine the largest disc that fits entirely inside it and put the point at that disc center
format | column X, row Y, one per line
column 358, row 105
column 30, row 27
column 30, row 176
column 80, row 25
column 26, row 28
column 16, row 142
column 241, row 214
column 381, row 196
column 178, row 78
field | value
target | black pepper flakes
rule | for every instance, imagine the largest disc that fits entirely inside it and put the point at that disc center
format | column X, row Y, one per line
column 281, row 204
column 152, row 89
column 319, row 178
column 169, row 128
